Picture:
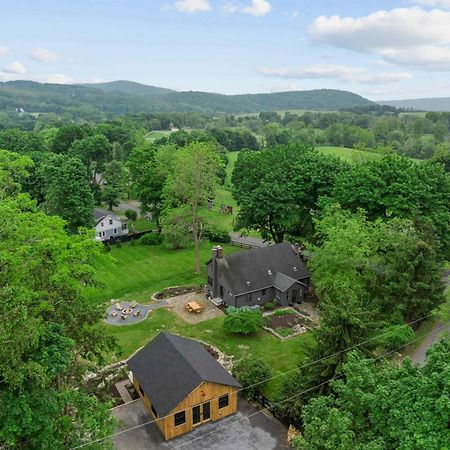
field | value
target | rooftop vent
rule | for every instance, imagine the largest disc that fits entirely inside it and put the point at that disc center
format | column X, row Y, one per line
column 269, row 272
column 248, row 283
column 295, row 269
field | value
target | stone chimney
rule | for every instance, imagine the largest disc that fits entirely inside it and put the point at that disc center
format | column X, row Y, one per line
column 217, row 252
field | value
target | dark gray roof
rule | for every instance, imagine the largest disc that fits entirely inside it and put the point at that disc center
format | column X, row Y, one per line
column 170, row 367
column 100, row 214
column 256, row 269
column 282, row 282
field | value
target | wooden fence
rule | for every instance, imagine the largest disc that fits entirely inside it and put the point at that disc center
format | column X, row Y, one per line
column 267, row 404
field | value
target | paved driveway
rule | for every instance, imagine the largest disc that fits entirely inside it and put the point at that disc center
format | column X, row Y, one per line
column 236, row 432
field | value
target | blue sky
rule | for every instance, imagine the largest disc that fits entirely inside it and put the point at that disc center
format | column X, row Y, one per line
column 379, row 49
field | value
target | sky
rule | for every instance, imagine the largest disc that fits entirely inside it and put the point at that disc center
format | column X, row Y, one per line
column 379, row 49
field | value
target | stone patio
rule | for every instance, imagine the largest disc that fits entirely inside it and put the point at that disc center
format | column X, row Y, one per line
column 177, row 304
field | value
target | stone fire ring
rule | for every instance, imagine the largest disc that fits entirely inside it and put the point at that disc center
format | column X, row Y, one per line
column 127, row 311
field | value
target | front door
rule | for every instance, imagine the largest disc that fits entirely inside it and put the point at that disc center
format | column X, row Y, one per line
column 201, row 413
column 196, row 416
column 206, row 411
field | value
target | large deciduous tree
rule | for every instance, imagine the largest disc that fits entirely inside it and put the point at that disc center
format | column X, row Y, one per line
column 67, row 191
column 278, row 189
column 395, row 186
column 48, row 329
column 191, row 184
column 383, row 407
column 115, row 176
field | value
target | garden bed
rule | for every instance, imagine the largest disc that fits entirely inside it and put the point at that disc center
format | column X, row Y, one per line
column 287, row 323
column 175, row 291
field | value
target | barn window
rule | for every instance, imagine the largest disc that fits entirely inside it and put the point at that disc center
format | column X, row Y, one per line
column 223, row 401
column 179, row 418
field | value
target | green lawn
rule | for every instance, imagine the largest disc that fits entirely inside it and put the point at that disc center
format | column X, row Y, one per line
column 138, row 271
column 349, row 154
column 281, row 356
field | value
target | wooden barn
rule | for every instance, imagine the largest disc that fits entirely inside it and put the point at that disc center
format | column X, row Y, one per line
column 181, row 384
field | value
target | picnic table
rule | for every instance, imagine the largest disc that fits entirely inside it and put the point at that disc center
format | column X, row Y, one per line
column 194, row 307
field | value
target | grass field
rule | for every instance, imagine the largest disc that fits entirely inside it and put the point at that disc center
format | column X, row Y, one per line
column 349, row 154
column 281, row 356
column 138, row 271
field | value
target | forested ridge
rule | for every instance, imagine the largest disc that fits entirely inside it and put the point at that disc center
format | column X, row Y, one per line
column 126, row 97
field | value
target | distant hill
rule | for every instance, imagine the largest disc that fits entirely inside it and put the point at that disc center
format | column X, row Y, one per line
column 128, row 87
column 121, row 97
column 421, row 104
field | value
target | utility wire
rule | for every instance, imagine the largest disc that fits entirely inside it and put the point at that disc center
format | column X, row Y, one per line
column 272, row 378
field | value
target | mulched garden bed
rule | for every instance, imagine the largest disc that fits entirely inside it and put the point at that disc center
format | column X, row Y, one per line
column 286, row 323
column 175, row 291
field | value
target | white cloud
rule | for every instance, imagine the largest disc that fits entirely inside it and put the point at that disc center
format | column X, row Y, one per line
column 230, row 8
column 433, row 3
column 43, row 55
column 257, row 8
column 56, row 78
column 348, row 74
column 3, row 50
column 192, row 6
column 406, row 36
column 15, row 68
column 294, row 14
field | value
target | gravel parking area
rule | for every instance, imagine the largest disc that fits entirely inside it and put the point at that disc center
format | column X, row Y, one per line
column 177, row 304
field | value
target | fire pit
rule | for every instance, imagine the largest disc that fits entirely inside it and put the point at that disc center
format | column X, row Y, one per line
column 127, row 311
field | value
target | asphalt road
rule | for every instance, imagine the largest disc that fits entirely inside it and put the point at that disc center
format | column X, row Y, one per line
column 439, row 328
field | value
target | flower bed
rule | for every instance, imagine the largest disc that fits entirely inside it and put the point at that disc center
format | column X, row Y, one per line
column 174, row 291
column 287, row 323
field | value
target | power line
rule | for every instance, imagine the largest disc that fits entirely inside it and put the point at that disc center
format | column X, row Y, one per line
column 263, row 381
column 296, row 395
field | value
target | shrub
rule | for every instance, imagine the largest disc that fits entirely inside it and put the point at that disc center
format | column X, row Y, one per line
column 284, row 312
column 151, row 239
column 250, row 371
column 132, row 242
column 269, row 306
column 107, row 247
column 243, row 320
column 119, row 243
column 219, row 235
column 131, row 214
column 395, row 336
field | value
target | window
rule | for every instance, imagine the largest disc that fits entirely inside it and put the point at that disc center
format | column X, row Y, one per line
column 124, row 226
column 179, row 418
column 154, row 411
column 221, row 292
column 101, row 223
column 223, row 401
column 104, row 234
column 110, row 221
column 100, row 233
column 115, row 230
column 263, row 292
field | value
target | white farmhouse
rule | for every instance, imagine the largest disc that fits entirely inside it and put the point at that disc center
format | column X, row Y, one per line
column 109, row 226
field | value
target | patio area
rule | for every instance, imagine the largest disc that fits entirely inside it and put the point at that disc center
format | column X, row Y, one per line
column 129, row 313
column 178, row 305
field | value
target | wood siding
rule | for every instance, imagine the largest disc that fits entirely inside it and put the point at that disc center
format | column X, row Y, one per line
column 206, row 392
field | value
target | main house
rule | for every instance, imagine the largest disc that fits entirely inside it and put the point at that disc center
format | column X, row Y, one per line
column 258, row 276
column 181, row 384
column 109, row 226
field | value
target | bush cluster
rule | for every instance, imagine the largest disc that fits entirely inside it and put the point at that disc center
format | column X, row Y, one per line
column 151, row 239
